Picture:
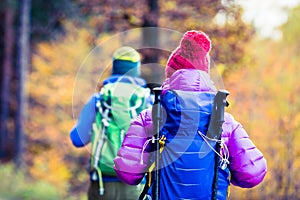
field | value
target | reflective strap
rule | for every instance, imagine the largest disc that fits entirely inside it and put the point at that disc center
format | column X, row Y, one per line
column 99, row 145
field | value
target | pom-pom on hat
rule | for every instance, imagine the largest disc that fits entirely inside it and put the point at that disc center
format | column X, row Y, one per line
column 126, row 61
column 192, row 53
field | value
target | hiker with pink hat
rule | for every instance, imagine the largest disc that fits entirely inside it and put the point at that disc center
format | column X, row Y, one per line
column 187, row 157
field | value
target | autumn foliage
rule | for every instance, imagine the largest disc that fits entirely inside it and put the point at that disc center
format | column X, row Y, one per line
column 262, row 77
column 265, row 98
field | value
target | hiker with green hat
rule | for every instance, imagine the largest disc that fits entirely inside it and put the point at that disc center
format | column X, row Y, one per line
column 104, row 120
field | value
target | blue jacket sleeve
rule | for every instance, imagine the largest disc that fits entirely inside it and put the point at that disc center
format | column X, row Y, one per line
column 80, row 135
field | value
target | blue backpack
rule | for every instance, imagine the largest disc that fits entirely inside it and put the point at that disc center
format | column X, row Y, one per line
column 187, row 162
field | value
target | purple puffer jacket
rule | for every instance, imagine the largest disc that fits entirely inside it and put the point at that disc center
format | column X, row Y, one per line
column 247, row 164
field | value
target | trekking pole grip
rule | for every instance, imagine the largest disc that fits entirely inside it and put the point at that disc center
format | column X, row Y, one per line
column 215, row 132
column 156, row 115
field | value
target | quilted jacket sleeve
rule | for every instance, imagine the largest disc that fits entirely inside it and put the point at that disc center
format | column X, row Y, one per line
column 132, row 159
column 247, row 164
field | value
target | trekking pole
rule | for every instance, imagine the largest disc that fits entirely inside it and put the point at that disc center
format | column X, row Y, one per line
column 156, row 117
column 215, row 131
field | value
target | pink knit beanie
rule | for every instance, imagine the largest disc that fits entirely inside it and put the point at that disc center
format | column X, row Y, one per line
column 192, row 53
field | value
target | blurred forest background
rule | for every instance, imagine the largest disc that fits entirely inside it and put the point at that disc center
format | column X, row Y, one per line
column 44, row 48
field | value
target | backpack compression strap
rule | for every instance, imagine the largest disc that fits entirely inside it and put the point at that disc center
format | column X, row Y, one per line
column 99, row 128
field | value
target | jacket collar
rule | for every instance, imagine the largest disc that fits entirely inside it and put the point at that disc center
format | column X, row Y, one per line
column 190, row 80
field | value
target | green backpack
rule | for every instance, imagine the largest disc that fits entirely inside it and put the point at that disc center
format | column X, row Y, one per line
column 117, row 104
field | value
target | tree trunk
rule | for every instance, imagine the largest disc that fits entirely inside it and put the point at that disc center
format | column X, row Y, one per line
column 150, row 36
column 8, row 48
column 151, row 49
column 22, row 68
